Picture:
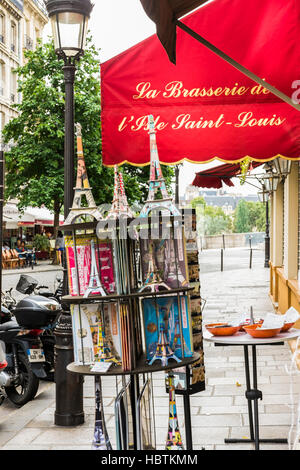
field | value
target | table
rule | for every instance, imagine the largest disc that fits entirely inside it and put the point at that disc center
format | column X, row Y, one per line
column 252, row 394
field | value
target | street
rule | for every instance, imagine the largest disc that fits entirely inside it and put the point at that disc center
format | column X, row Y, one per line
column 218, row 412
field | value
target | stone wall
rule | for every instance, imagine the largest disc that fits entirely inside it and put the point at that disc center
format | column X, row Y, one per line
column 232, row 240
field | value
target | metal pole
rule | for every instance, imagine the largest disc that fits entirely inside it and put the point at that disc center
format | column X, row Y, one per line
column 187, row 412
column 222, row 262
column 177, row 184
column 267, row 237
column 69, row 387
column 69, row 76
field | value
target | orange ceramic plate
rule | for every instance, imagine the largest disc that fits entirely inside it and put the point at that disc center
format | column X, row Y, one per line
column 221, row 330
column 287, row 326
column 256, row 332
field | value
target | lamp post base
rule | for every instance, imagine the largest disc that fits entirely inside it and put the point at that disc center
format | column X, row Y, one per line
column 69, row 387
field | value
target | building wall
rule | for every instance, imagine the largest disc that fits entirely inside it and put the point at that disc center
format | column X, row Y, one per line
column 21, row 23
column 285, row 254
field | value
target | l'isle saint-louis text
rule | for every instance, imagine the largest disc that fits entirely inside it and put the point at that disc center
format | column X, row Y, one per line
column 188, row 121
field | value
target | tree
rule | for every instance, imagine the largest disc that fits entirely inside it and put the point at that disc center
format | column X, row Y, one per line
column 211, row 220
column 35, row 163
column 249, row 216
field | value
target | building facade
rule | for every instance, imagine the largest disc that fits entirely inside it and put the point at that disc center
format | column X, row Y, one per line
column 21, row 24
column 285, row 243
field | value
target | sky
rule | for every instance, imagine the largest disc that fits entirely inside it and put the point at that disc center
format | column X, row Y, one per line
column 115, row 26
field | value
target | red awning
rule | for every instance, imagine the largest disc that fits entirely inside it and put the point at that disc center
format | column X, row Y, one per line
column 204, row 108
column 214, row 177
column 164, row 13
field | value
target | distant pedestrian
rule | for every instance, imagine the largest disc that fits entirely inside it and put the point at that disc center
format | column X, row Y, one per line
column 59, row 246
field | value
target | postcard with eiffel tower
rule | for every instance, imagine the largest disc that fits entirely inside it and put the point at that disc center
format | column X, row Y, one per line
column 162, row 319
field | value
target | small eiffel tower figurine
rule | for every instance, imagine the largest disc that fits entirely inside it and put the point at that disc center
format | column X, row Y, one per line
column 101, row 440
column 157, row 180
column 174, row 441
column 177, row 340
column 163, row 351
column 95, row 285
column 120, row 206
column 82, row 188
column 105, row 354
column 154, row 282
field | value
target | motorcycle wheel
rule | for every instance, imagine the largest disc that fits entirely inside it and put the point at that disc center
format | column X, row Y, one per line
column 26, row 387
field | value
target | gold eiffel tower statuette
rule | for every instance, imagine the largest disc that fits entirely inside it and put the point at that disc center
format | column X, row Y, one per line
column 82, row 188
column 120, row 206
column 157, row 180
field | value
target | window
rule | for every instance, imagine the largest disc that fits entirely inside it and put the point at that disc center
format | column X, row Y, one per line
column 13, row 86
column 2, row 124
column 2, row 27
column 2, row 78
column 13, row 37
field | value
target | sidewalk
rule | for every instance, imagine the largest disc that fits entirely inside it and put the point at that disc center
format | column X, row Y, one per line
column 218, row 412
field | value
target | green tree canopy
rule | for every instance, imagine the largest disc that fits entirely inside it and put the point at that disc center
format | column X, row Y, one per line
column 211, row 220
column 249, row 217
column 35, row 163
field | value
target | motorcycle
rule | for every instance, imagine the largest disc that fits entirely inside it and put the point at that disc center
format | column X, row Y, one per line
column 24, row 351
column 28, row 285
column 3, row 365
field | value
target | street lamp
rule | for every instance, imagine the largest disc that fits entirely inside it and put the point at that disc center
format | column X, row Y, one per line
column 69, row 20
column 263, row 196
column 282, row 166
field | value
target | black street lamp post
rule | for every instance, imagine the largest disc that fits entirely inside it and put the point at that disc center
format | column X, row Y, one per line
column 69, row 20
column 267, row 236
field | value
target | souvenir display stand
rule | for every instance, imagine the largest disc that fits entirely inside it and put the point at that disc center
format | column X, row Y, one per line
column 131, row 303
column 131, row 300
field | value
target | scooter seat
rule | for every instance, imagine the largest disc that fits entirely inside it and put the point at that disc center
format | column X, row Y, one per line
column 10, row 325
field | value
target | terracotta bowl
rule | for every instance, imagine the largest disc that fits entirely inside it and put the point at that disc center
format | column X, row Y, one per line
column 256, row 332
column 247, row 324
column 221, row 329
column 287, row 326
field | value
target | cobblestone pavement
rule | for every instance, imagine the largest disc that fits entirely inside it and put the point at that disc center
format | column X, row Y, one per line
column 217, row 413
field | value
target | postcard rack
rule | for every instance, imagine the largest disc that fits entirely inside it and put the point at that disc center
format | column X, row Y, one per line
column 130, row 304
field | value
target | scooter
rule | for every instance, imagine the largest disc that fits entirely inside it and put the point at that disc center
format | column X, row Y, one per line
column 3, row 365
column 25, row 356
column 28, row 285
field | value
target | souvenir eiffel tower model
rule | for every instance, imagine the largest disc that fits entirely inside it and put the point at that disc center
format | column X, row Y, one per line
column 101, row 439
column 154, row 282
column 82, row 188
column 174, row 441
column 120, row 206
column 105, row 354
column 174, row 275
column 157, row 181
column 95, row 285
column 176, row 342
column 163, row 351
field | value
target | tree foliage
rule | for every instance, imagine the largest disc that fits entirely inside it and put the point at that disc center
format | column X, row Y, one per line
column 211, row 220
column 249, row 217
column 35, row 163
